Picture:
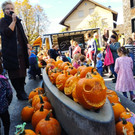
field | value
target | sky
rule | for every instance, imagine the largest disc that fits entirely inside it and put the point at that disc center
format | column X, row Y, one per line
column 56, row 10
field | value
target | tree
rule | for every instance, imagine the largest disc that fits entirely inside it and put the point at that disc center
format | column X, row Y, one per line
column 97, row 22
column 34, row 19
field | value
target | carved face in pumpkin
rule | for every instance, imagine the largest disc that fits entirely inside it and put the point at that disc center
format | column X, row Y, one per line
column 91, row 92
column 70, row 85
column 60, row 81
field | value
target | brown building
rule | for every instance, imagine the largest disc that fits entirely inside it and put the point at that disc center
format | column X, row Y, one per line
column 129, row 17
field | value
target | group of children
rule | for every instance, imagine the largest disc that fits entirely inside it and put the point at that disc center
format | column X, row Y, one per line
column 79, row 60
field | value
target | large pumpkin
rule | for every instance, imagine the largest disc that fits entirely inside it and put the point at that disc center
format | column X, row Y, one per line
column 26, row 113
column 124, row 128
column 91, row 92
column 70, row 85
column 117, row 109
column 61, row 80
column 48, row 126
column 65, row 64
column 57, row 62
column 39, row 115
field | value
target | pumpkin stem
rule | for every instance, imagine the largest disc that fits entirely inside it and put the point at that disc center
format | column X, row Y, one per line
column 41, row 100
column 113, row 104
column 92, row 71
column 42, row 108
column 44, row 94
column 48, row 115
column 39, row 92
column 30, row 100
column 88, row 75
column 124, row 122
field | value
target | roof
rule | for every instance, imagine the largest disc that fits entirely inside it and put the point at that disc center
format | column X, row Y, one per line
column 115, row 14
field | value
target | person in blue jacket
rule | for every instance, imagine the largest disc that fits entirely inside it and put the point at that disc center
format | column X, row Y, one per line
column 114, row 47
column 99, row 64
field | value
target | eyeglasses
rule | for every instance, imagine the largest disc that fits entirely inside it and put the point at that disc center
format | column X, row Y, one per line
column 9, row 8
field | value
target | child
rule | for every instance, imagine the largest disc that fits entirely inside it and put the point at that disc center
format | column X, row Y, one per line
column 5, row 100
column 82, row 60
column 75, row 61
column 99, row 64
column 33, row 69
column 123, row 67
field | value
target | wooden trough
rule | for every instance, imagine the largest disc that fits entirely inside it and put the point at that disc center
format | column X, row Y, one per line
column 76, row 120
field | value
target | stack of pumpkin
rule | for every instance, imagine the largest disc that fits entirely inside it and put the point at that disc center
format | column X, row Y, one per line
column 40, row 115
column 124, row 118
column 85, row 86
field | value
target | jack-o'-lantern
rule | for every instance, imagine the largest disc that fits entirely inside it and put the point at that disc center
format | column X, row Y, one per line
column 70, row 85
column 61, row 80
column 91, row 92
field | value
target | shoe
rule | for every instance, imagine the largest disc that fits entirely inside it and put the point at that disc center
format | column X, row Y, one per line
column 113, row 80
column 40, row 77
column 132, row 97
column 111, row 76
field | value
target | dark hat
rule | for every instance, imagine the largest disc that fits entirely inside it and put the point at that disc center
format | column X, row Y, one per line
column 113, row 36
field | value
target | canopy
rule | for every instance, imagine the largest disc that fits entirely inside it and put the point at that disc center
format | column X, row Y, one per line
column 38, row 42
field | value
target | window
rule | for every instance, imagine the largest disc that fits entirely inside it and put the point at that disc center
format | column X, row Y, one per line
column 132, row 3
column 91, row 10
column 133, row 25
column 80, row 13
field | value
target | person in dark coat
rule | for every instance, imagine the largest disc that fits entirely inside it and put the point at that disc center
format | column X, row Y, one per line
column 54, row 52
column 14, row 49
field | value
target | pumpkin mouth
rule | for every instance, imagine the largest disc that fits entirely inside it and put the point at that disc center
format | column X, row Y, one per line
column 59, row 85
column 68, row 89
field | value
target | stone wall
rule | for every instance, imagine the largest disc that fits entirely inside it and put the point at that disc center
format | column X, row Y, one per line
column 129, row 14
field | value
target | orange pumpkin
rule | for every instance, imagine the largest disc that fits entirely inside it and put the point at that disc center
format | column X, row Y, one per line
column 39, row 115
column 40, row 89
column 80, row 68
column 36, row 99
column 28, row 132
column 125, row 115
column 26, row 113
column 52, row 61
column 112, row 96
column 48, row 126
column 65, row 64
column 84, row 71
column 53, row 77
column 72, row 70
column 46, row 104
column 117, row 109
column 61, row 79
column 49, row 67
column 57, row 62
column 70, row 85
column 124, row 128
column 91, row 92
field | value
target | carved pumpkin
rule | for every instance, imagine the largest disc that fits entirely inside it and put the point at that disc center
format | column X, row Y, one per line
column 48, row 126
column 46, row 104
column 117, row 109
column 91, row 92
column 49, row 67
column 38, row 115
column 36, row 99
column 52, row 61
column 26, row 113
column 53, row 76
column 112, row 96
column 61, row 80
column 124, row 128
column 80, row 68
column 70, row 85
column 72, row 70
